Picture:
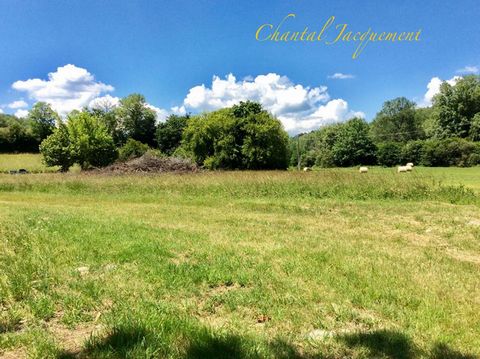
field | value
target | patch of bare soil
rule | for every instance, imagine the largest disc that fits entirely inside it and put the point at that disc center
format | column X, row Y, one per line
column 150, row 164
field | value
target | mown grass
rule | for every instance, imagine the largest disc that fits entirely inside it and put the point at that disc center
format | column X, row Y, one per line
column 29, row 161
column 239, row 265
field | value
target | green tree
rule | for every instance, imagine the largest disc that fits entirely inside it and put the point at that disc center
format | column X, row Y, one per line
column 474, row 132
column 389, row 154
column 455, row 107
column 396, row 122
column 16, row 135
column 56, row 148
column 90, row 143
column 105, row 111
column 83, row 139
column 169, row 133
column 137, row 119
column 42, row 119
column 353, row 145
column 244, row 136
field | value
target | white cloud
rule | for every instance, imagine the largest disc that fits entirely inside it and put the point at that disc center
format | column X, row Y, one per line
column 433, row 88
column 179, row 110
column 68, row 88
column 1, row 111
column 468, row 70
column 333, row 111
column 106, row 102
column 17, row 104
column 299, row 108
column 340, row 76
column 161, row 113
column 21, row 113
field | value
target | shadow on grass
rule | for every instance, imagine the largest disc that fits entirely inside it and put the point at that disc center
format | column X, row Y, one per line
column 204, row 343
column 383, row 343
column 396, row 345
column 442, row 351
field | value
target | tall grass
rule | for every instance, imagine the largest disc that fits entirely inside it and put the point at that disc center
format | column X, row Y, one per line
column 331, row 184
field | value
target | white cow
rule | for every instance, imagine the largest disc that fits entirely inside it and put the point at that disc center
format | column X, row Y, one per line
column 363, row 169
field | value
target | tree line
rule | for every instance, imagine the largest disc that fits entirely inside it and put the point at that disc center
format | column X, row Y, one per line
column 246, row 136
column 445, row 134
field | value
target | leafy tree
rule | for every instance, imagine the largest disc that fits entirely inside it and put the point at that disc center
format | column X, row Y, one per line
column 83, row 139
column 455, row 107
column 244, row 136
column 396, row 122
column 16, row 135
column 389, row 154
column 137, row 119
column 56, row 148
column 42, row 119
column 90, row 143
column 105, row 111
column 412, row 151
column 265, row 145
column 169, row 133
column 353, row 145
column 474, row 132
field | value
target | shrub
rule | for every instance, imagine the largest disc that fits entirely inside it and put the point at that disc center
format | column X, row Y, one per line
column 132, row 149
column 449, row 152
column 389, row 154
column 412, row 152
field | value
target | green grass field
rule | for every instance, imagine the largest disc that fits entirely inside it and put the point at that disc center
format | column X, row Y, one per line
column 329, row 264
column 29, row 161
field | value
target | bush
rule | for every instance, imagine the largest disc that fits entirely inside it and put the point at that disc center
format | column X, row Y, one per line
column 389, row 154
column 449, row 152
column 412, row 152
column 132, row 149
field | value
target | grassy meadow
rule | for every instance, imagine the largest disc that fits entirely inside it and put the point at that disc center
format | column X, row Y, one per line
column 327, row 264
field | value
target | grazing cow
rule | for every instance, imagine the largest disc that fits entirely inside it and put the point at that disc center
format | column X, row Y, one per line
column 363, row 169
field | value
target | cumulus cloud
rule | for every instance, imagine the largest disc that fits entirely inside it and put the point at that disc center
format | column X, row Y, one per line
column 21, row 113
column 333, row 111
column 105, row 103
column 161, row 113
column 17, row 104
column 340, row 76
column 433, row 88
column 68, row 88
column 300, row 108
column 468, row 70
column 1, row 111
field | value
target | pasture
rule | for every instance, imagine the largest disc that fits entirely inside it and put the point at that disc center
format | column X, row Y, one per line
column 329, row 263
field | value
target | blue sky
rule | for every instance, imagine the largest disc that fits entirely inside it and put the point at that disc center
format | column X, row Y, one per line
column 165, row 49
